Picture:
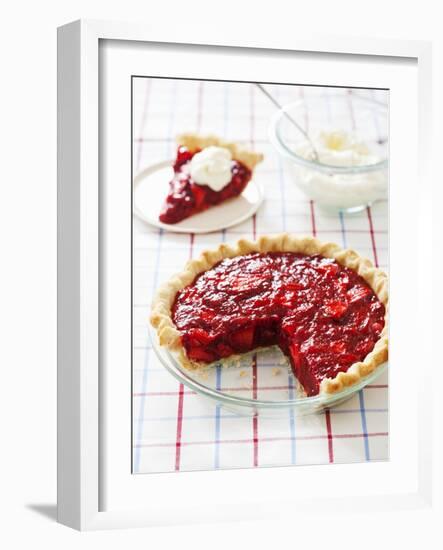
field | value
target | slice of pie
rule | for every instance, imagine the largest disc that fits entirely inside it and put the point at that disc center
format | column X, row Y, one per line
column 207, row 171
column 325, row 307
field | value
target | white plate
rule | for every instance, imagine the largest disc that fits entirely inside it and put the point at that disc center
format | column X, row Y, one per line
column 151, row 187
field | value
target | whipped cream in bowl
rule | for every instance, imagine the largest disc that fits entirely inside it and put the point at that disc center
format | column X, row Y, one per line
column 212, row 167
column 351, row 141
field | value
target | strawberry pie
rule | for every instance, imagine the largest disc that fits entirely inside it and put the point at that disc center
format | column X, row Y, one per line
column 207, row 172
column 325, row 307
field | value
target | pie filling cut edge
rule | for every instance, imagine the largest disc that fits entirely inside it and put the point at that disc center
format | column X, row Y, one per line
column 325, row 307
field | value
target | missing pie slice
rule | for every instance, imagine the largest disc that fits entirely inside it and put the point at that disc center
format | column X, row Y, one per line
column 325, row 307
column 207, row 172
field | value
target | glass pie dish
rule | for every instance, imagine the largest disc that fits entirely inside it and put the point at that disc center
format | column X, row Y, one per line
column 350, row 136
column 255, row 383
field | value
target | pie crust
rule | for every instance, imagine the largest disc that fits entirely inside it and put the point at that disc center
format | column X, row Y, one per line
column 194, row 142
column 170, row 336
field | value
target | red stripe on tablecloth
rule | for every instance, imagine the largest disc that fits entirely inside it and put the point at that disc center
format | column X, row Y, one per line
column 181, row 395
column 327, row 413
column 351, row 110
column 255, row 417
column 329, row 430
column 143, row 119
column 301, row 94
column 371, row 231
column 314, row 228
column 191, row 245
column 251, row 115
column 252, row 140
column 178, row 439
column 254, row 235
column 265, row 439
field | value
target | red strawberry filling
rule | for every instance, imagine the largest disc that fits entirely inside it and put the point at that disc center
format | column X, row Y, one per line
column 323, row 316
column 186, row 198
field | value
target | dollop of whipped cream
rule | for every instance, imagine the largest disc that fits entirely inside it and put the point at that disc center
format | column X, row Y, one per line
column 340, row 148
column 212, row 167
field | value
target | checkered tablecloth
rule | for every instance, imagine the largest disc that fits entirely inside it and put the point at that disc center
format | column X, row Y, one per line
column 173, row 428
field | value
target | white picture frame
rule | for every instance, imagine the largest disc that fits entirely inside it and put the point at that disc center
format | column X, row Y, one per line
column 81, row 410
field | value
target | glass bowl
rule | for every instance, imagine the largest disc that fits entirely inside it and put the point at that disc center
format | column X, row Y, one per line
column 256, row 383
column 337, row 182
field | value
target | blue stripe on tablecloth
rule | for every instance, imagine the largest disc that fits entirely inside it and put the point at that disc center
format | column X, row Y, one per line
column 143, row 120
column 364, row 424
column 146, row 365
column 292, row 421
column 181, row 399
column 170, row 145
column 360, row 393
column 281, row 179
column 226, row 109
column 217, row 420
column 343, row 230
column 218, row 386
column 136, row 464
